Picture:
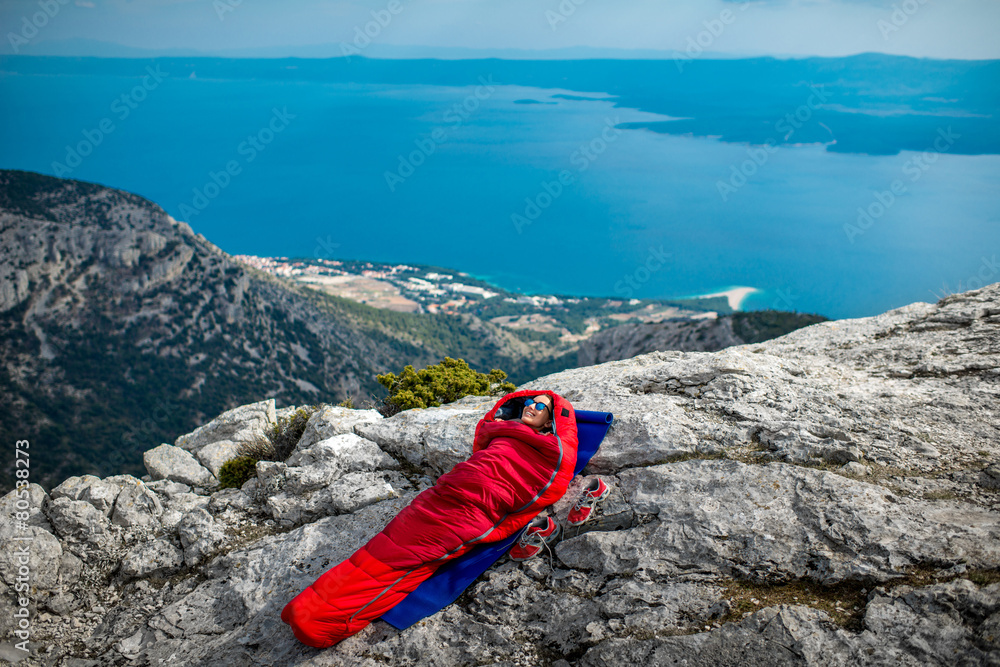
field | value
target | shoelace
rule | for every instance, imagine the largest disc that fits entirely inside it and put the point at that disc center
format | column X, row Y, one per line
column 531, row 539
column 585, row 500
column 535, row 538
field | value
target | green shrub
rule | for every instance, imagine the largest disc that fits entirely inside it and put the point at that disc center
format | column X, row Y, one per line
column 234, row 473
column 287, row 432
column 435, row 385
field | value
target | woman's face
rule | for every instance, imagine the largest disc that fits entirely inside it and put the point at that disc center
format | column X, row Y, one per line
column 538, row 419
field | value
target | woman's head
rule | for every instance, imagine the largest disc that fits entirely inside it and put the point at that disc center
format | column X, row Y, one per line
column 538, row 417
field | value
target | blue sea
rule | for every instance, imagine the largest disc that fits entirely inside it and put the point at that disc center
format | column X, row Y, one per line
column 530, row 188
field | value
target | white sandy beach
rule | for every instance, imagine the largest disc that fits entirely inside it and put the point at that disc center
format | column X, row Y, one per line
column 735, row 296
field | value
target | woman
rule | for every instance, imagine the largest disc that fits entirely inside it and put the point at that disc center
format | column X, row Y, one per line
column 518, row 467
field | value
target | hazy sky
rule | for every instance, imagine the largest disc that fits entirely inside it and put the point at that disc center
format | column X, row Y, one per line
column 929, row 28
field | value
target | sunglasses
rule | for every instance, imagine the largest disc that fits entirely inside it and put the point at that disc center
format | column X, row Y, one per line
column 539, row 406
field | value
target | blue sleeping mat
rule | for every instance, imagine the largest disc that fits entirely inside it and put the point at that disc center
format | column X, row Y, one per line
column 448, row 582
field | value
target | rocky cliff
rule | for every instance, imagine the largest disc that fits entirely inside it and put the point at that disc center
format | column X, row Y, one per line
column 122, row 326
column 689, row 334
column 829, row 497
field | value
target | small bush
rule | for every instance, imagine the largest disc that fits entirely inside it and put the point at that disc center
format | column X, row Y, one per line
column 288, row 431
column 347, row 403
column 260, row 448
column 435, row 385
column 234, row 473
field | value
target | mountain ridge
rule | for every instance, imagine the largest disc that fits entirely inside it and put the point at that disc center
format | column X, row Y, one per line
column 831, row 496
column 123, row 328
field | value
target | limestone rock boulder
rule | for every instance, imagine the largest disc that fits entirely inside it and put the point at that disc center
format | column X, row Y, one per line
column 154, row 558
column 241, row 424
column 338, row 455
column 42, row 550
column 176, row 464
column 91, row 489
column 778, row 522
column 233, row 616
column 213, row 455
column 334, row 476
column 944, row 624
column 179, row 504
column 347, row 494
column 436, row 438
column 137, row 507
column 81, row 525
column 331, row 420
column 26, row 505
column 200, row 535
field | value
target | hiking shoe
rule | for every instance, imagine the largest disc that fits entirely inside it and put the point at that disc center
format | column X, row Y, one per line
column 583, row 508
column 541, row 532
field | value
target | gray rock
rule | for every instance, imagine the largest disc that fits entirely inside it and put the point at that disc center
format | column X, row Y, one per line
column 180, row 504
column 245, row 423
column 937, row 625
column 331, row 420
column 157, row 557
column 779, row 522
column 933, row 625
column 26, row 504
column 80, row 523
column 44, row 554
column 176, row 464
column 808, row 442
column 228, row 499
column 200, row 536
column 213, row 455
column 347, row 494
column 285, row 413
column 270, row 477
column 91, row 489
column 436, row 437
column 137, row 507
column 167, row 488
column 234, row 616
column 990, row 477
column 855, row 468
column 785, row 635
column 328, row 460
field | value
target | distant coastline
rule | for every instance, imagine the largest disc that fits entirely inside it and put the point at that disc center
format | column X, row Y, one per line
column 736, row 296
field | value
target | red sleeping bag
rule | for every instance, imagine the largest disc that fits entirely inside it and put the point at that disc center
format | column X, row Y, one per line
column 513, row 474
